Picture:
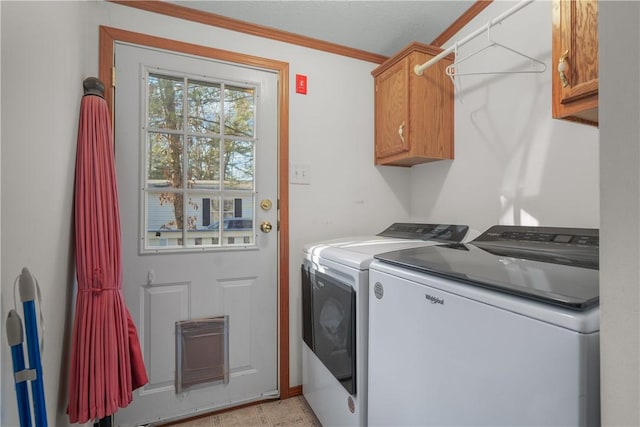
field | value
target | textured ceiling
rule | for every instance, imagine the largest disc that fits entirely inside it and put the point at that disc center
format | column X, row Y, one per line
column 381, row 27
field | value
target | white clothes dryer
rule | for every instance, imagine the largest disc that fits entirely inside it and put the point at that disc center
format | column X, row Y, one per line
column 335, row 293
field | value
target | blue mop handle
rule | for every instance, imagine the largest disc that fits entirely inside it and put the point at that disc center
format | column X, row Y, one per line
column 28, row 296
column 15, row 338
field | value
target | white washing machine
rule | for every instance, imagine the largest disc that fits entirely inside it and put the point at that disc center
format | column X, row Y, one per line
column 335, row 282
column 500, row 331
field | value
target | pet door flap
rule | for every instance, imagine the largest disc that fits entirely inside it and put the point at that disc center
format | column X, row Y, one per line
column 202, row 352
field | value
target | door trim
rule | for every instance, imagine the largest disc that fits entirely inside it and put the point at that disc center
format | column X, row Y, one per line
column 109, row 36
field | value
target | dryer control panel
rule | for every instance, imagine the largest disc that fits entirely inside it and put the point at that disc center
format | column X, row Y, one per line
column 446, row 233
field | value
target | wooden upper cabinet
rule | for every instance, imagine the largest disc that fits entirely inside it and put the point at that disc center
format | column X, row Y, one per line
column 413, row 114
column 575, row 45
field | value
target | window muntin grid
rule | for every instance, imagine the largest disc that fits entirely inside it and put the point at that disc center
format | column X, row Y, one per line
column 183, row 132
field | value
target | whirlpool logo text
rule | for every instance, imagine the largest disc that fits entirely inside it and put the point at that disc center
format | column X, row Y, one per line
column 434, row 300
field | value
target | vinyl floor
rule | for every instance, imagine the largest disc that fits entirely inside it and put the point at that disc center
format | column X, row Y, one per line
column 292, row 412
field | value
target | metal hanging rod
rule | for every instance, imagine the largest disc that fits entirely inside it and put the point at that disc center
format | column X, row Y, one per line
column 419, row 69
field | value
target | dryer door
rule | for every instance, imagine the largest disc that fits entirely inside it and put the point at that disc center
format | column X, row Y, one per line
column 333, row 325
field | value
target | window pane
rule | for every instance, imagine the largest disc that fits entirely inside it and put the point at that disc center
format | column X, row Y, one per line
column 164, row 227
column 238, row 109
column 164, row 160
column 204, row 163
column 228, row 208
column 203, row 213
column 204, row 107
column 194, row 211
column 238, row 221
column 165, row 102
column 238, row 165
column 212, row 212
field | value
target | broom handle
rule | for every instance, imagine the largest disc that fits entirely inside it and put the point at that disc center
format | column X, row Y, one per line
column 28, row 296
column 16, row 338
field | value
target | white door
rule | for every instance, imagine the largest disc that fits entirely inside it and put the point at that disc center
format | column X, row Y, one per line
column 196, row 154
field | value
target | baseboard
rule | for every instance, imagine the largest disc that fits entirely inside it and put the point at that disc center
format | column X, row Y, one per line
column 295, row 391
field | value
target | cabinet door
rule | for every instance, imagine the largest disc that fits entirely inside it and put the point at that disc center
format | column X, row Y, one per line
column 392, row 111
column 575, row 36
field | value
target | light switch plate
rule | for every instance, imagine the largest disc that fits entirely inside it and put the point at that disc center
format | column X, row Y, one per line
column 300, row 174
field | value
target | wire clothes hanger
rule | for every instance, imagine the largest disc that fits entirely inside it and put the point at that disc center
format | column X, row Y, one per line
column 536, row 65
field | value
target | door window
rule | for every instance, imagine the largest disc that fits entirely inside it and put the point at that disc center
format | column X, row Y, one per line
column 199, row 156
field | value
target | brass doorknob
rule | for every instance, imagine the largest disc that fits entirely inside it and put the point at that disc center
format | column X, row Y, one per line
column 265, row 204
column 266, row 226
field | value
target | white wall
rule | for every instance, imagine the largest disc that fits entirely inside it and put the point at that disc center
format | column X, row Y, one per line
column 513, row 164
column 42, row 72
column 620, row 212
column 48, row 48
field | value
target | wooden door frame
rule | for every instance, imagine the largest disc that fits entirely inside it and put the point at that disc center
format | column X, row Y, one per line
column 109, row 36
